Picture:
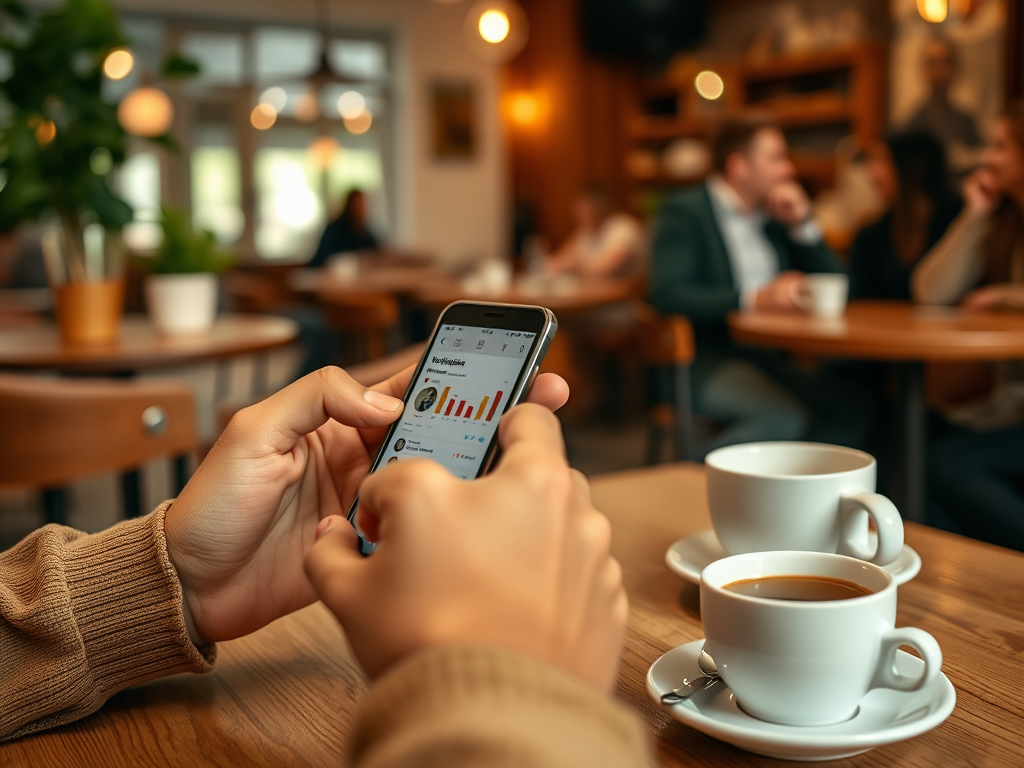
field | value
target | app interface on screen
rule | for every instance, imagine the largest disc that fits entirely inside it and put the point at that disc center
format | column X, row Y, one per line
column 453, row 410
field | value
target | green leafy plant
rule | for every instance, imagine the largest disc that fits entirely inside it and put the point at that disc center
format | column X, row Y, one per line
column 58, row 137
column 185, row 251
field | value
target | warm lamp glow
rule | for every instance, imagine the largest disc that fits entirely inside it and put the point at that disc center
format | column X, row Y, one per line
column 524, row 108
column 493, row 26
column 45, row 131
column 118, row 64
column 263, row 116
column 146, row 112
column 351, row 104
column 933, row 10
column 360, row 123
column 709, row 84
column 306, row 108
column 275, row 98
column 322, row 151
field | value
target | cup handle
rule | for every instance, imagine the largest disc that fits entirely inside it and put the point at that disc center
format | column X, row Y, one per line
column 888, row 523
column 886, row 675
column 800, row 295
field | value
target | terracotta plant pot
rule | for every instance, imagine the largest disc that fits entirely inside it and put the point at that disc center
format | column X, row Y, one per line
column 182, row 305
column 90, row 312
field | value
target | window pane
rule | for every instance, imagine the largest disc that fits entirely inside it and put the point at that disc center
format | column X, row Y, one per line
column 282, row 53
column 217, row 193
column 220, row 56
column 359, row 58
column 140, row 187
column 289, row 205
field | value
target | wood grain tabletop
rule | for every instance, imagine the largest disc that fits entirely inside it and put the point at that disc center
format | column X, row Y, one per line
column 287, row 695
column 880, row 330
column 140, row 347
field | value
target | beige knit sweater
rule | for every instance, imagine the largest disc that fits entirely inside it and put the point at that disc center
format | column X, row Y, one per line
column 85, row 616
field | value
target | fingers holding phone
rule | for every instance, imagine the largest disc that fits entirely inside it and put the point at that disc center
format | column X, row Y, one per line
column 518, row 559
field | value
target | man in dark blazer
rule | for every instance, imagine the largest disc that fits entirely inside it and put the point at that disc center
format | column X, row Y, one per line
column 743, row 240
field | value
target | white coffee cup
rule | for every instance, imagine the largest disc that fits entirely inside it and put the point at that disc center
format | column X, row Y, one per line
column 807, row 663
column 823, row 295
column 800, row 496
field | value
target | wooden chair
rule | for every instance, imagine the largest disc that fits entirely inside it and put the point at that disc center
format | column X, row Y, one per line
column 666, row 344
column 363, row 320
column 56, row 431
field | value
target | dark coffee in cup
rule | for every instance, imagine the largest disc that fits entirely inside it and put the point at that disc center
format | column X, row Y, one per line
column 801, row 588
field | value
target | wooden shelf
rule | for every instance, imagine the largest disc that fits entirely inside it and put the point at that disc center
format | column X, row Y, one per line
column 810, row 64
column 666, row 128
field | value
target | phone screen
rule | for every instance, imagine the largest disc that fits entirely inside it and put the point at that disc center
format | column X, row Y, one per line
column 454, row 406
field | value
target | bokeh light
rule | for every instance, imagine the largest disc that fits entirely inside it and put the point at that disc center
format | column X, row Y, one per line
column 101, row 161
column 146, row 112
column 263, row 116
column 933, row 10
column 360, row 123
column 709, row 84
column 524, row 108
column 351, row 104
column 493, row 26
column 306, row 108
column 45, row 131
column 118, row 64
column 322, row 151
column 275, row 98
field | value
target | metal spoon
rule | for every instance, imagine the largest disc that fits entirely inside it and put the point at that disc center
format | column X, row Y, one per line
column 690, row 688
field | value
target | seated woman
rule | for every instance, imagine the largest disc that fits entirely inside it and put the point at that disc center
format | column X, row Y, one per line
column 908, row 171
column 977, row 468
column 604, row 243
column 348, row 232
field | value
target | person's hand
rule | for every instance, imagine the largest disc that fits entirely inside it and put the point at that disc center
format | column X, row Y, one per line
column 981, row 194
column 989, row 297
column 238, row 533
column 780, row 294
column 788, row 204
column 518, row 559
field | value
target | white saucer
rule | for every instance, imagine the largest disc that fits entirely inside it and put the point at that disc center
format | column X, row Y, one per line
column 885, row 716
column 689, row 556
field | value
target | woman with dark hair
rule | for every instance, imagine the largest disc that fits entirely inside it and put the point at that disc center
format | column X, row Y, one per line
column 908, row 171
column 977, row 470
column 348, row 232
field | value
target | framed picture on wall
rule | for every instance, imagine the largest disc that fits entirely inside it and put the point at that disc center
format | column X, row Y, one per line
column 453, row 109
column 948, row 75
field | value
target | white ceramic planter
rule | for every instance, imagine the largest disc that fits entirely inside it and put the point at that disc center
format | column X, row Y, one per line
column 182, row 305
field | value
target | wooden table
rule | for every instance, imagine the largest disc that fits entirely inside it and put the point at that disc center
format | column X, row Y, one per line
column 391, row 279
column 561, row 297
column 286, row 695
column 140, row 348
column 897, row 332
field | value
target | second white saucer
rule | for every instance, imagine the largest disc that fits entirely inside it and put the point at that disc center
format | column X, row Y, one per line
column 689, row 556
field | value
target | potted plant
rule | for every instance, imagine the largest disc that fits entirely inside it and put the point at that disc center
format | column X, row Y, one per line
column 59, row 140
column 182, row 289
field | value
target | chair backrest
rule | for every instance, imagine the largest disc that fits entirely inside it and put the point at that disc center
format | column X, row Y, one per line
column 54, row 431
column 357, row 312
column 663, row 340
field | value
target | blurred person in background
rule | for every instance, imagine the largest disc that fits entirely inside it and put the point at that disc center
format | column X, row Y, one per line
column 348, row 232
column 977, row 466
column 489, row 622
column 605, row 243
column 743, row 240
column 908, row 171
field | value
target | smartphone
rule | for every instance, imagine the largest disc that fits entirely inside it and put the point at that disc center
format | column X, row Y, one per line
column 480, row 361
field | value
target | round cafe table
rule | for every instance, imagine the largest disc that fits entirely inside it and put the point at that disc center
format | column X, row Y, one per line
column 140, row 348
column 904, row 334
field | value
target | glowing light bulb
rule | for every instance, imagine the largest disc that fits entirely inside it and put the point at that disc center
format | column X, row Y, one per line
column 933, row 10
column 360, row 123
column 118, row 64
column 493, row 26
column 263, row 116
column 146, row 112
column 322, row 151
column 524, row 109
column 709, row 84
column 351, row 104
